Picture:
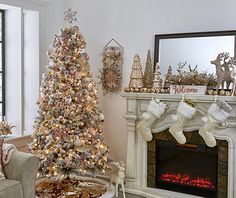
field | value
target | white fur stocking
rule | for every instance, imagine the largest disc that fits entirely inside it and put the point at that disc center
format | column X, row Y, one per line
column 154, row 112
column 217, row 114
column 184, row 112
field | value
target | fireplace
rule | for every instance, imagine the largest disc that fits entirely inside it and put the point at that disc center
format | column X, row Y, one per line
column 141, row 173
column 192, row 168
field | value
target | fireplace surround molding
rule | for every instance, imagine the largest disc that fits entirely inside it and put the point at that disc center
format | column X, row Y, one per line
column 136, row 160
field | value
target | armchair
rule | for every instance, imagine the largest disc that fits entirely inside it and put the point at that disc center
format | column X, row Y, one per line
column 21, row 175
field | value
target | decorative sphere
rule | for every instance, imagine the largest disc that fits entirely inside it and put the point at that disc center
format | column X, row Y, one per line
column 127, row 89
column 222, row 92
column 141, row 90
column 136, row 89
column 145, row 90
column 227, row 93
column 153, row 90
column 210, row 92
column 215, row 92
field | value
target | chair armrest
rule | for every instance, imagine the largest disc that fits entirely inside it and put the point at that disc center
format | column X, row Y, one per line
column 23, row 167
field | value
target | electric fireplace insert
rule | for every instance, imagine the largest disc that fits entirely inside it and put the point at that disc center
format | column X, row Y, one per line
column 192, row 168
column 188, row 168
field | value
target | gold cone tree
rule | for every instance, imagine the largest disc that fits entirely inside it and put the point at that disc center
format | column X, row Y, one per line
column 148, row 72
column 68, row 132
column 136, row 76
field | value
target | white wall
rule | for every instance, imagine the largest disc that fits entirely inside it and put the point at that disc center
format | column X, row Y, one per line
column 134, row 23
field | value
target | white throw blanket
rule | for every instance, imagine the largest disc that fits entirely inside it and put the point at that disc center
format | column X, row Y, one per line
column 7, row 151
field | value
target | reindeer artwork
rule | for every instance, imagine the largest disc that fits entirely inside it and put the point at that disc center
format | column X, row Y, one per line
column 118, row 176
column 222, row 70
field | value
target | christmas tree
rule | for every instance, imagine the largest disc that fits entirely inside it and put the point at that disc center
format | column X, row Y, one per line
column 148, row 73
column 68, row 134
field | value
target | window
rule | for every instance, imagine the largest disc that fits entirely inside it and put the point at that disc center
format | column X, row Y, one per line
column 2, row 63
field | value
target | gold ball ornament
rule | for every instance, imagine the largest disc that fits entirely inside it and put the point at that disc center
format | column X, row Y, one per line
column 136, row 89
column 131, row 89
column 127, row 89
column 227, row 93
column 162, row 91
column 222, row 92
column 215, row 92
column 210, row 92
column 153, row 90
column 145, row 90
column 141, row 90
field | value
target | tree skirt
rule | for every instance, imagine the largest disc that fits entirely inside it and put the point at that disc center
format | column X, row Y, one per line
column 80, row 187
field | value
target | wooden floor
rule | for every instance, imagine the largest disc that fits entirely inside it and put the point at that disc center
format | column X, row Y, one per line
column 129, row 195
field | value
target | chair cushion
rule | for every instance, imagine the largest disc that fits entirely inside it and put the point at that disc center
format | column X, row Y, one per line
column 10, row 189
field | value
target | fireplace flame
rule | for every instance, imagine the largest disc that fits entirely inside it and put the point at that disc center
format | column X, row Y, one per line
column 187, row 180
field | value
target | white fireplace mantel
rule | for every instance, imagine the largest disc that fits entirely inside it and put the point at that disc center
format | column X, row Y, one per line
column 136, row 170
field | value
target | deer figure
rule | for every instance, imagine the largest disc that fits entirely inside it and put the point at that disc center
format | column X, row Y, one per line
column 233, row 73
column 118, row 176
column 181, row 67
column 192, row 71
column 222, row 75
column 225, row 64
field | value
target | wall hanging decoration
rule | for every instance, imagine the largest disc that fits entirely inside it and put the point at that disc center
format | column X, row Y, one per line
column 111, row 72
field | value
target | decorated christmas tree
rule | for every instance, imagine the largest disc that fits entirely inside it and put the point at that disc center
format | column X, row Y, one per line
column 68, row 134
column 148, row 73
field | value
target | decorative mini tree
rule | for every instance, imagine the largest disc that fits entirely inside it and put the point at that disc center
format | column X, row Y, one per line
column 157, row 82
column 68, row 132
column 136, row 76
column 148, row 73
column 168, row 77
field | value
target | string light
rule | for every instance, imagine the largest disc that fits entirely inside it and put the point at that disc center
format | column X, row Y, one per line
column 68, row 127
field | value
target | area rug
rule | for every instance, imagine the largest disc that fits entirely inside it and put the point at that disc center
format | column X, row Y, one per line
column 73, row 188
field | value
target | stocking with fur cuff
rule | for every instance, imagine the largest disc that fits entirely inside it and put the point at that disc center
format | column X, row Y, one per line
column 185, row 111
column 154, row 111
column 217, row 114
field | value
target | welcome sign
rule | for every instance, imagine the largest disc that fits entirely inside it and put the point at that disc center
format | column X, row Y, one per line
column 188, row 89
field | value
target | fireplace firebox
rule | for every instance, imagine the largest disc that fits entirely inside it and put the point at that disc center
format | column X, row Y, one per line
column 188, row 168
column 192, row 168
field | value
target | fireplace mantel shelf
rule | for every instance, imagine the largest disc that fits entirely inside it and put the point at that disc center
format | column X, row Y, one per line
column 136, row 105
column 178, row 97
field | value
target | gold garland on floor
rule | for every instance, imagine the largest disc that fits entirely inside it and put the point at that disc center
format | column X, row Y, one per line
column 70, row 188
